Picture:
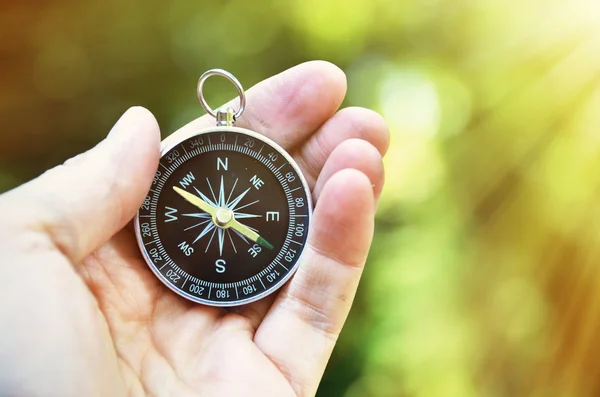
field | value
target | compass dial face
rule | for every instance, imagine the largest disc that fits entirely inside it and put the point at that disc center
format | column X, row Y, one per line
column 226, row 219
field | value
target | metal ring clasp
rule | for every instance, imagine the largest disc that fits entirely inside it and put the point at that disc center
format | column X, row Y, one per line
column 231, row 78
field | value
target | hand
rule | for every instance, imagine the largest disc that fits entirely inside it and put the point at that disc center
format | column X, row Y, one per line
column 84, row 316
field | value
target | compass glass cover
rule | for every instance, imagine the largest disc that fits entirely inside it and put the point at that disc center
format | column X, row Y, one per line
column 226, row 218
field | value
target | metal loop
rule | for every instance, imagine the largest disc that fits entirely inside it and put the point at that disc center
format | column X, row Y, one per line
column 231, row 78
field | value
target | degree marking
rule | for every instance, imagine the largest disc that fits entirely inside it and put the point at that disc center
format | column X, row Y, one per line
column 282, row 165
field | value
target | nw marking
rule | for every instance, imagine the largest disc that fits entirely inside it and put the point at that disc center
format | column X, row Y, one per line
column 187, row 180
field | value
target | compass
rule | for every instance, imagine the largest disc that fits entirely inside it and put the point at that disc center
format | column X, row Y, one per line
column 227, row 217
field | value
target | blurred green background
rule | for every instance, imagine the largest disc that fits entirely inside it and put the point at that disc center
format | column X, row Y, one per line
column 483, row 277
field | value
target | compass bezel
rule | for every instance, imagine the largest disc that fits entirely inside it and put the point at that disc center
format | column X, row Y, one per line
column 178, row 138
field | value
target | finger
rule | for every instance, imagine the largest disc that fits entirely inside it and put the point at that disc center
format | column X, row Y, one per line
column 82, row 203
column 300, row 331
column 357, row 154
column 354, row 153
column 255, row 312
column 287, row 107
column 348, row 123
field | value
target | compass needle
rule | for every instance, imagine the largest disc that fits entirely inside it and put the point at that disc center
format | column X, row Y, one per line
column 240, row 235
column 251, row 234
column 226, row 220
column 198, row 202
column 204, row 197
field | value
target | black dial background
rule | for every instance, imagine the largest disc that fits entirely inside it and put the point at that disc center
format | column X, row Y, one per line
column 191, row 268
column 240, row 265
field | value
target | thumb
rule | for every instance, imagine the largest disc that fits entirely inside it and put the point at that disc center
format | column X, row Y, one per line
column 82, row 203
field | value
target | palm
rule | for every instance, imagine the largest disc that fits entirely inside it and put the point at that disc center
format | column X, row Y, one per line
column 120, row 331
column 199, row 350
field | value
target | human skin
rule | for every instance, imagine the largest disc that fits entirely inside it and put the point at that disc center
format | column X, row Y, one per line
column 83, row 315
